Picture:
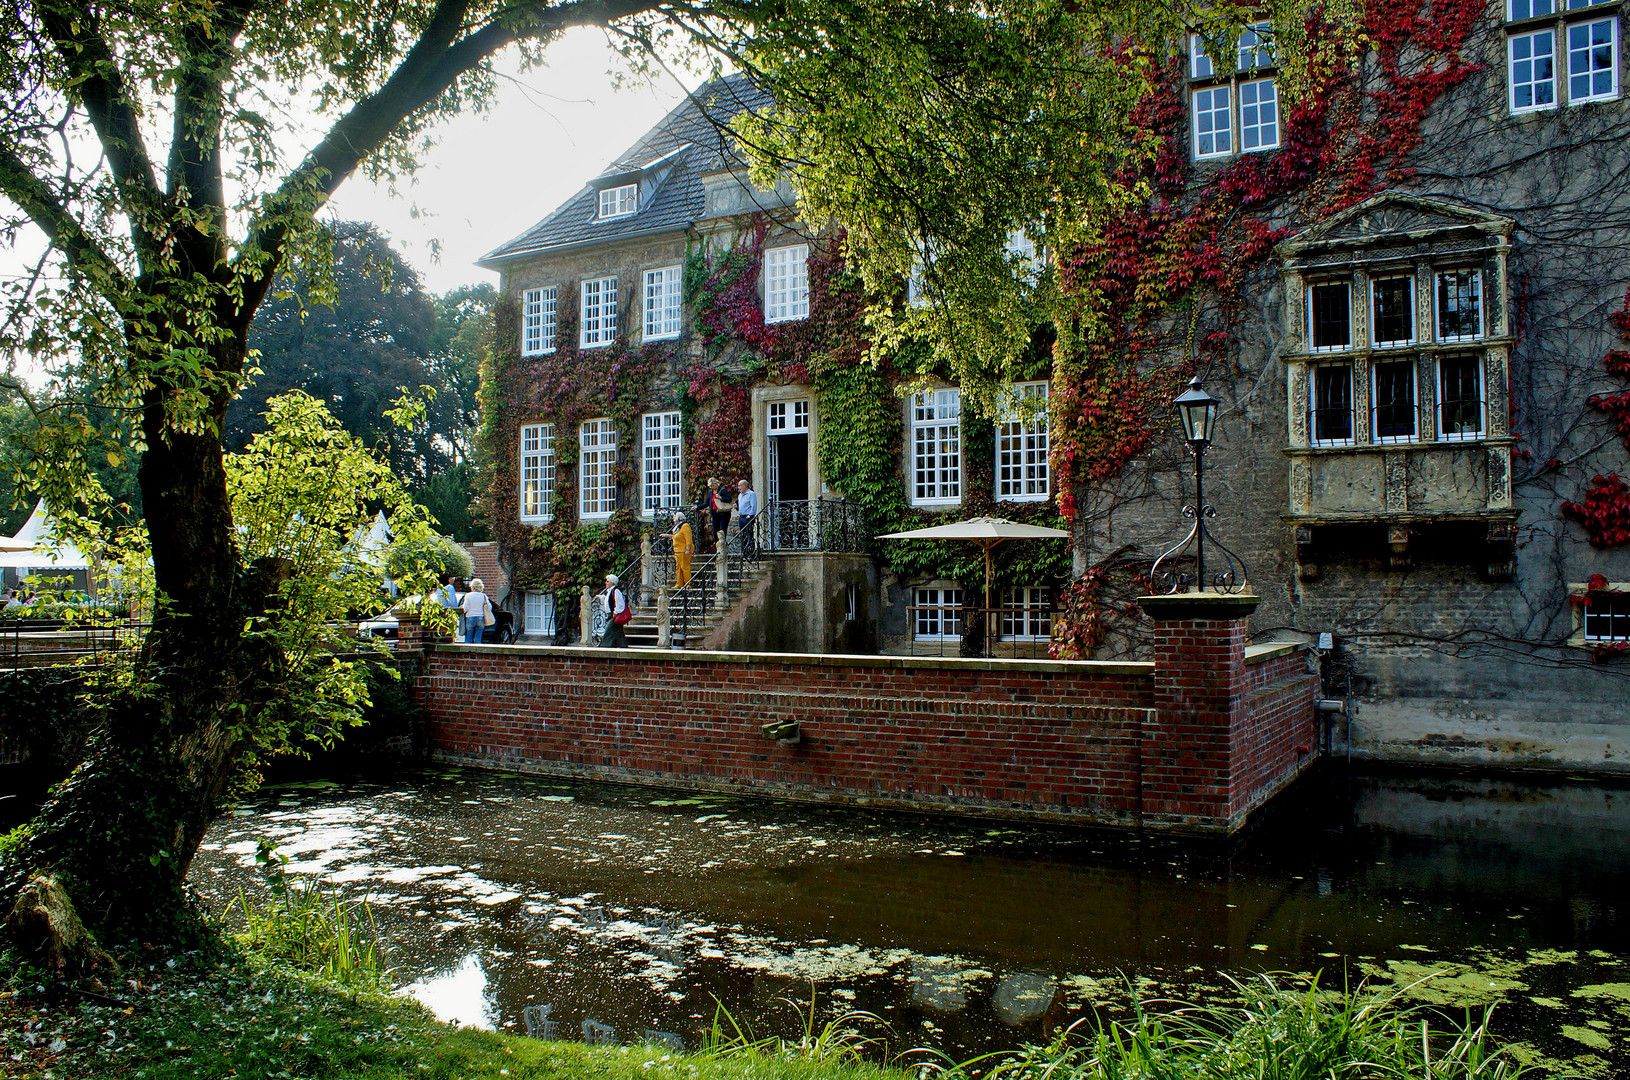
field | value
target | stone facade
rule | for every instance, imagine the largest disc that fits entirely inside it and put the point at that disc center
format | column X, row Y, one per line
column 1424, row 532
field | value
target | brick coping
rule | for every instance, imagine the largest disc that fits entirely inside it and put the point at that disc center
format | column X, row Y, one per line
column 838, row 660
column 1256, row 654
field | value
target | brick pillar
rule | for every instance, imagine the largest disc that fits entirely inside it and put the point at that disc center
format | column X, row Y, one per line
column 1199, row 703
column 412, row 633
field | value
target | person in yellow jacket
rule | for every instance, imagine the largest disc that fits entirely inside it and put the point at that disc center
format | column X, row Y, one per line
column 684, row 548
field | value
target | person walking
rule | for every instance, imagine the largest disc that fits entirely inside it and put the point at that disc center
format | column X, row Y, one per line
column 684, row 548
column 613, row 602
column 477, row 612
column 721, row 501
column 746, row 511
column 447, row 596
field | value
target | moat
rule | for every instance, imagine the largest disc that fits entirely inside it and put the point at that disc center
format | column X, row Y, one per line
column 643, row 909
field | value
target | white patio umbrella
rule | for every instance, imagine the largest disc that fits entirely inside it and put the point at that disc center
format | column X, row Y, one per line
column 985, row 531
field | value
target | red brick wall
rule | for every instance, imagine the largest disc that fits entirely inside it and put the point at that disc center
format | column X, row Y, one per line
column 1276, row 735
column 1082, row 742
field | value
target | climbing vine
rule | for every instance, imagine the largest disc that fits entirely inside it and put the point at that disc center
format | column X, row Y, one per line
column 1605, row 510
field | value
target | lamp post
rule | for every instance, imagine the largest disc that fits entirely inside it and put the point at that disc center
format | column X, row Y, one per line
column 1197, row 414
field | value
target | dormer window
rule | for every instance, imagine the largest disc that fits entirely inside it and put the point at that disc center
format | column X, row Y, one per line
column 619, row 201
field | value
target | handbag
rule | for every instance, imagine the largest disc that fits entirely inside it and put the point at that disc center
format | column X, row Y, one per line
column 626, row 615
column 487, row 617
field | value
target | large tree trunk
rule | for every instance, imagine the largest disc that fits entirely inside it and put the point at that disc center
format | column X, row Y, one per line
column 122, row 830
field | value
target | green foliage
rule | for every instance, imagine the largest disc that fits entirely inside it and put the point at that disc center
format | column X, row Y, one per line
column 441, row 555
column 1273, row 1033
column 310, row 928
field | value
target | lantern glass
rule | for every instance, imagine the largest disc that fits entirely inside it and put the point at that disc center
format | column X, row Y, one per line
column 1197, row 412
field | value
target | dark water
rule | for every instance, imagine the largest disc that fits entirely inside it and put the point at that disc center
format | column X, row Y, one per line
column 638, row 908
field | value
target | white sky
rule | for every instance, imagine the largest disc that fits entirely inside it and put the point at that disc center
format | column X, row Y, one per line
column 493, row 177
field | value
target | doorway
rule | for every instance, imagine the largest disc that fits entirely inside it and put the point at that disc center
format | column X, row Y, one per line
column 787, row 463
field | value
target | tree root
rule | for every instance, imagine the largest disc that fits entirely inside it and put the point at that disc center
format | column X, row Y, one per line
column 43, row 922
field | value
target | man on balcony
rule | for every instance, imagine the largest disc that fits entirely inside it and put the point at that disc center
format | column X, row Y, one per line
column 746, row 511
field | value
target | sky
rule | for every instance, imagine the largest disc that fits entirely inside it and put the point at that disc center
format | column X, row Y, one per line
column 493, row 177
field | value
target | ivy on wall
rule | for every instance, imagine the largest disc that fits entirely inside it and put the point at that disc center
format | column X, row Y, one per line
column 1605, row 509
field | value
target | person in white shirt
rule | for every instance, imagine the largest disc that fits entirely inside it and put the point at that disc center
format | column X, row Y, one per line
column 746, row 511
column 476, row 608
column 612, row 601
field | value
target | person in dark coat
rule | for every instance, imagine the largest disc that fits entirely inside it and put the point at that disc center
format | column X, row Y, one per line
column 721, row 500
column 611, row 602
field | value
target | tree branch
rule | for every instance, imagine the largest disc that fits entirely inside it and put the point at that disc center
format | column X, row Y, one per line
column 41, row 204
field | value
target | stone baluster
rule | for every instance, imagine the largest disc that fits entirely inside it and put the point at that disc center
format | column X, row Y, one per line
column 664, row 627
column 648, row 569
column 721, row 566
column 585, row 613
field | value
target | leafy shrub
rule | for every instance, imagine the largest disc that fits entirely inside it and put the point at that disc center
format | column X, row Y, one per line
column 442, row 554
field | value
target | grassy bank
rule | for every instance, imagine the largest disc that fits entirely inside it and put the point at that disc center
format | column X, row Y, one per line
column 232, row 1017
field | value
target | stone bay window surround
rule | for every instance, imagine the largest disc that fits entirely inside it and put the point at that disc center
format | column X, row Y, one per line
column 1397, row 351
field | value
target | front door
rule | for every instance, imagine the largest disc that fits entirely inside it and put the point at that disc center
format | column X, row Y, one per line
column 787, row 462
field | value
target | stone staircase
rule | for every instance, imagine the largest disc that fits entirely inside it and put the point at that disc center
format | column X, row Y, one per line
column 702, row 614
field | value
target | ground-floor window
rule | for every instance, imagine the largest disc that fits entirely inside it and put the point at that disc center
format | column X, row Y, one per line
column 937, row 615
column 1607, row 617
column 540, row 613
column 1027, row 614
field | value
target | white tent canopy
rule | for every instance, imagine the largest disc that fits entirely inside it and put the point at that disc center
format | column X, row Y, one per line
column 32, row 548
column 371, row 545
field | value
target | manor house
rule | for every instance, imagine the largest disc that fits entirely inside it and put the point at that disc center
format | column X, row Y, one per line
column 1425, row 401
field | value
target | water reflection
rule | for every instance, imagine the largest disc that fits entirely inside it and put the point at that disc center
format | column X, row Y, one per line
column 620, row 908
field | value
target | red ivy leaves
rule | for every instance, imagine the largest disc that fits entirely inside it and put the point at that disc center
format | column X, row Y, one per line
column 1605, row 511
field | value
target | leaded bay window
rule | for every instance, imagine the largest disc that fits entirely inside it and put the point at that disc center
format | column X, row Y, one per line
column 936, row 448
column 537, row 472
column 1459, row 305
column 786, row 283
column 1021, row 446
column 1540, row 35
column 1393, row 418
column 538, row 321
column 599, row 313
column 1398, row 332
column 937, row 615
column 1332, row 412
column 662, row 303
column 1460, row 397
column 1393, row 320
column 664, row 485
column 1027, row 614
column 1330, row 316
column 597, row 469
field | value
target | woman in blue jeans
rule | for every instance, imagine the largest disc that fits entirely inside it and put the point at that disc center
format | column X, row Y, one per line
column 477, row 608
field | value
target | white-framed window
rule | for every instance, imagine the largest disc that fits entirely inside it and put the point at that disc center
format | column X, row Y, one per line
column 1329, row 316
column 1459, row 303
column 596, row 469
column 537, row 470
column 1392, row 311
column 1392, row 401
column 1531, row 68
column 1606, row 616
column 1213, row 136
column 540, row 613
column 619, row 201
column 662, row 305
column 1022, row 250
column 1593, row 60
column 1200, row 66
column 1021, row 446
column 599, row 322
column 538, row 321
column 1027, row 614
column 664, row 482
column 1331, row 404
column 1527, row 9
column 1460, row 398
column 788, row 417
column 1256, row 47
column 1258, row 116
column 786, row 283
column 936, row 448
column 937, row 615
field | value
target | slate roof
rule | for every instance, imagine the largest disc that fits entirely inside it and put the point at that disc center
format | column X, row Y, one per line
column 691, row 135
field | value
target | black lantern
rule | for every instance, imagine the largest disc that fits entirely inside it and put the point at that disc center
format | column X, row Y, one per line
column 1197, row 413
